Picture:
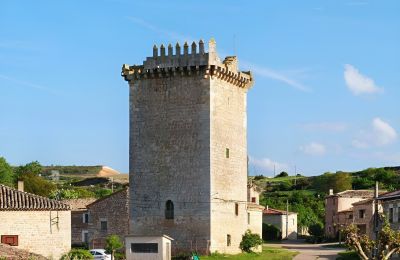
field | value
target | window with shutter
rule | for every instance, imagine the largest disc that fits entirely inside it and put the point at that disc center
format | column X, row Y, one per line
column 11, row 240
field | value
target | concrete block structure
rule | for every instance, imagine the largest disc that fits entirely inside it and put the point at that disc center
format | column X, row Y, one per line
column 283, row 221
column 188, row 148
column 34, row 223
column 148, row 248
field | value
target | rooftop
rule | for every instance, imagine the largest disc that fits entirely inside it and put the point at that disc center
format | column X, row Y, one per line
column 270, row 211
column 354, row 194
column 79, row 204
column 12, row 199
column 390, row 195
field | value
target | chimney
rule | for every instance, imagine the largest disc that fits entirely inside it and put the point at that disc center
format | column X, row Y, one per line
column 267, row 207
column 330, row 191
column 376, row 189
column 21, row 186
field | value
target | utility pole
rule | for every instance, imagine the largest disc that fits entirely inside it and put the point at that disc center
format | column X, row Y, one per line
column 376, row 218
column 274, row 170
column 287, row 218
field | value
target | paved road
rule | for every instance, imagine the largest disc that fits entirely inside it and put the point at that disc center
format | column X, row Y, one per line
column 310, row 251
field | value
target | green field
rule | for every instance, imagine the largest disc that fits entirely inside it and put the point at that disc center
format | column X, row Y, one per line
column 271, row 253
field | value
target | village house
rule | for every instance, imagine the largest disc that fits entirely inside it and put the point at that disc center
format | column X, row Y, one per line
column 391, row 208
column 108, row 216
column 340, row 210
column 283, row 221
column 34, row 223
column 79, row 221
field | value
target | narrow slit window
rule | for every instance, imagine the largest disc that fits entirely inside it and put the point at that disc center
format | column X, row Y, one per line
column 228, row 240
column 227, row 152
column 236, row 209
column 169, row 210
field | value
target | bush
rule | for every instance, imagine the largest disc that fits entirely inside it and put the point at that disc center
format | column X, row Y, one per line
column 77, row 254
column 317, row 233
column 270, row 232
column 282, row 174
column 249, row 241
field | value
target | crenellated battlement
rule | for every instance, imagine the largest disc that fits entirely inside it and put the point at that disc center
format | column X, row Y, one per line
column 170, row 63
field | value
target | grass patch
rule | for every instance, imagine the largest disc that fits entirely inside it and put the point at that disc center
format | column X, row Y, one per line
column 348, row 255
column 271, row 253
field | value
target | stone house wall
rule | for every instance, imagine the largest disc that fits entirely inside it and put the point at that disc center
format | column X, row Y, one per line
column 113, row 210
column 36, row 234
column 395, row 205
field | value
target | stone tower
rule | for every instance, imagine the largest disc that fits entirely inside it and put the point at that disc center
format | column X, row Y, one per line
column 188, row 148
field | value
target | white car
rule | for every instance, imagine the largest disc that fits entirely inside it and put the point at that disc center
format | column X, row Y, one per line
column 100, row 254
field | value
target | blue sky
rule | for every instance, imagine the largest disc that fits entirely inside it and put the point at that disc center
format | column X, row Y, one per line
column 327, row 76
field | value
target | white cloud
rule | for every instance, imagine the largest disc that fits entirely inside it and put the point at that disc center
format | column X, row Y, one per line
column 381, row 133
column 325, row 126
column 358, row 83
column 313, row 148
column 268, row 165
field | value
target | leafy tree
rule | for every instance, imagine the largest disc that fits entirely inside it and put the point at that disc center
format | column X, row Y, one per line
column 388, row 242
column 100, row 193
column 6, row 173
column 62, row 194
column 32, row 168
column 249, row 241
column 339, row 181
column 37, row 185
column 113, row 243
column 282, row 174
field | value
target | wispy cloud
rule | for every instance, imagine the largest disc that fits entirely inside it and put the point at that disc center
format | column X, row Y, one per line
column 270, row 73
column 268, row 165
column 171, row 35
column 380, row 134
column 313, row 148
column 358, row 83
column 27, row 84
column 325, row 126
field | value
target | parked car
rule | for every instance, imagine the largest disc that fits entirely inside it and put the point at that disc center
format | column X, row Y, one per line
column 100, row 254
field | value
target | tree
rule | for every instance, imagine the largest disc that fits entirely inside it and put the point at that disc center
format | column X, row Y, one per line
column 316, row 231
column 113, row 243
column 77, row 254
column 388, row 242
column 6, row 173
column 282, row 174
column 339, row 181
column 249, row 241
column 33, row 167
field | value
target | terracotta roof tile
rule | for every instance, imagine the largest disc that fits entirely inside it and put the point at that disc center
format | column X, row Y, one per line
column 12, row 199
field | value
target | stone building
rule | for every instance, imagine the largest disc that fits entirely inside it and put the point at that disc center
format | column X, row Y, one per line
column 339, row 209
column 391, row 208
column 34, row 223
column 79, row 221
column 188, row 148
column 108, row 216
column 283, row 221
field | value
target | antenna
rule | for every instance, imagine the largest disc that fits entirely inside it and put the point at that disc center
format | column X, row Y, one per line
column 234, row 44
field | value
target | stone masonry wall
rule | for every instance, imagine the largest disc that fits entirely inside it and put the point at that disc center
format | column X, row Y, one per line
column 34, row 232
column 229, row 173
column 114, row 210
column 170, row 159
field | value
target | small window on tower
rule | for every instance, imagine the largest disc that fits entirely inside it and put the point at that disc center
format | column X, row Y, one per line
column 248, row 218
column 169, row 210
column 227, row 152
column 236, row 209
column 228, row 240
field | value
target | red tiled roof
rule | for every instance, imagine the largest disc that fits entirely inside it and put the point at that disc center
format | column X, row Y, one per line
column 12, row 199
column 269, row 211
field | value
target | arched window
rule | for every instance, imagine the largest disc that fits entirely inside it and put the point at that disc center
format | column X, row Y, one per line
column 169, row 210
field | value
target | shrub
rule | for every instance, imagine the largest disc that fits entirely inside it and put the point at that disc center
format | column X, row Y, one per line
column 270, row 232
column 249, row 241
column 282, row 174
column 317, row 232
column 77, row 254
